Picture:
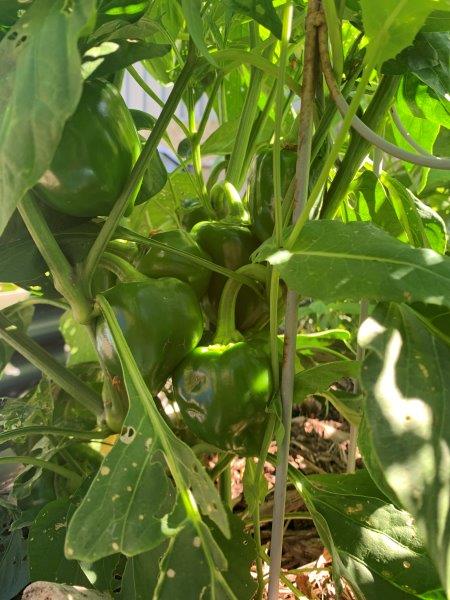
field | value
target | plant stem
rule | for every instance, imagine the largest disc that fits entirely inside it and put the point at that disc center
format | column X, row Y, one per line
column 195, row 146
column 45, row 362
column 120, row 267
column 226, row 331
column 60, row 268
column 6, row 436
column 277, row 185
column 42, row 464
column 137, row 173
column 225, row 486
column 249, row 111
column 291, row 319
column 148, row 90
column 352, row 445
column 259, row 565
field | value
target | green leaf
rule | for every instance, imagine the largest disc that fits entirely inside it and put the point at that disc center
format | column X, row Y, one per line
column 46, row 547
column 374, row 545
column 192, row 14
column 255, row 487
column 391, row 25
column 14, row 573
column 423, row 102
column 81, row 349
column 110, row 57
column 262, row 11
column 20, row 260
column 186, row 574
column 21, row 317
column 141, row 574
column 35, row 105
column 427, row 58
column 123, row 508
column 438, row 20
column 317, row 380
column 337, row 261
column 405, row 377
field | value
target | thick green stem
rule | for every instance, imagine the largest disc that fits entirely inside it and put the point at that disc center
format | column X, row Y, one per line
column 359, row 147
column 60, row 268
column 138, row 171
column 226, row 324
column 42, row 464
column 45, row 362
column 291, row 318
column 148, row 90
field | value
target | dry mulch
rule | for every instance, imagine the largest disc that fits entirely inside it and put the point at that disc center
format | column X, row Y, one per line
column 318, row 445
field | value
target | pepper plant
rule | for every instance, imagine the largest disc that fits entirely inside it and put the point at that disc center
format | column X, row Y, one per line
column 327, row 182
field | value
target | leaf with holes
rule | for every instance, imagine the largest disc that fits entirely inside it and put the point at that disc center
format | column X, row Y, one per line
column 405, row 377
column 14, row 572
column 131, row 493
column 374, row 545
column 186, row 574
column 336, row 261
column 43, row 41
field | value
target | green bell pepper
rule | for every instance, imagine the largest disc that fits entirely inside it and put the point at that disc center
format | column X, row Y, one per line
column 93, row 161
column 159, row 263
column 161, row 321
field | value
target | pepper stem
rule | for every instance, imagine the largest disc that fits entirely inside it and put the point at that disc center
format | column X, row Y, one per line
column 226, row 323
column 120, row 267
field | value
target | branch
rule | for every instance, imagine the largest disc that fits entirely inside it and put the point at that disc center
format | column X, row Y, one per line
column 424, row 160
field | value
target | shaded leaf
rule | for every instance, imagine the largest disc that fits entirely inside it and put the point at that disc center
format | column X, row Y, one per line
column 185, row 572
column 14, row 573
column 407, row 412
column 337, row 261
column 81, row 349
column 141, row 574
column 192, row 14
column 44, row 39
column 255, row 488
column 374, row 545
column 20, row 316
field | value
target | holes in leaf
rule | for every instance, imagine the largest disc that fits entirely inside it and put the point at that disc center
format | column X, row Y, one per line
column 13, row 35
column 21, row 40
column 128, row 434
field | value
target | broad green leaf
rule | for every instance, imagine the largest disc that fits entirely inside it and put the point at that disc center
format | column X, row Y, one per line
column 191, row 478
column 120, row 54
column 46, row 551
column 46, row 547
column 40, row 70
column 14, row 572
column 20, row 260
column 405, row 377
column 123, row 508
column 192, row 14
column 129, row 10
column 141, row 574
column 186, row 574
column 337, row 261
column 374, row 545
column 391, row 25
column 387, row 203
column 423, row 102
column 427, row 58
column 438, row 20
column 221, row 141
column 81, row 349
column 422, row 225
column 261, row 11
